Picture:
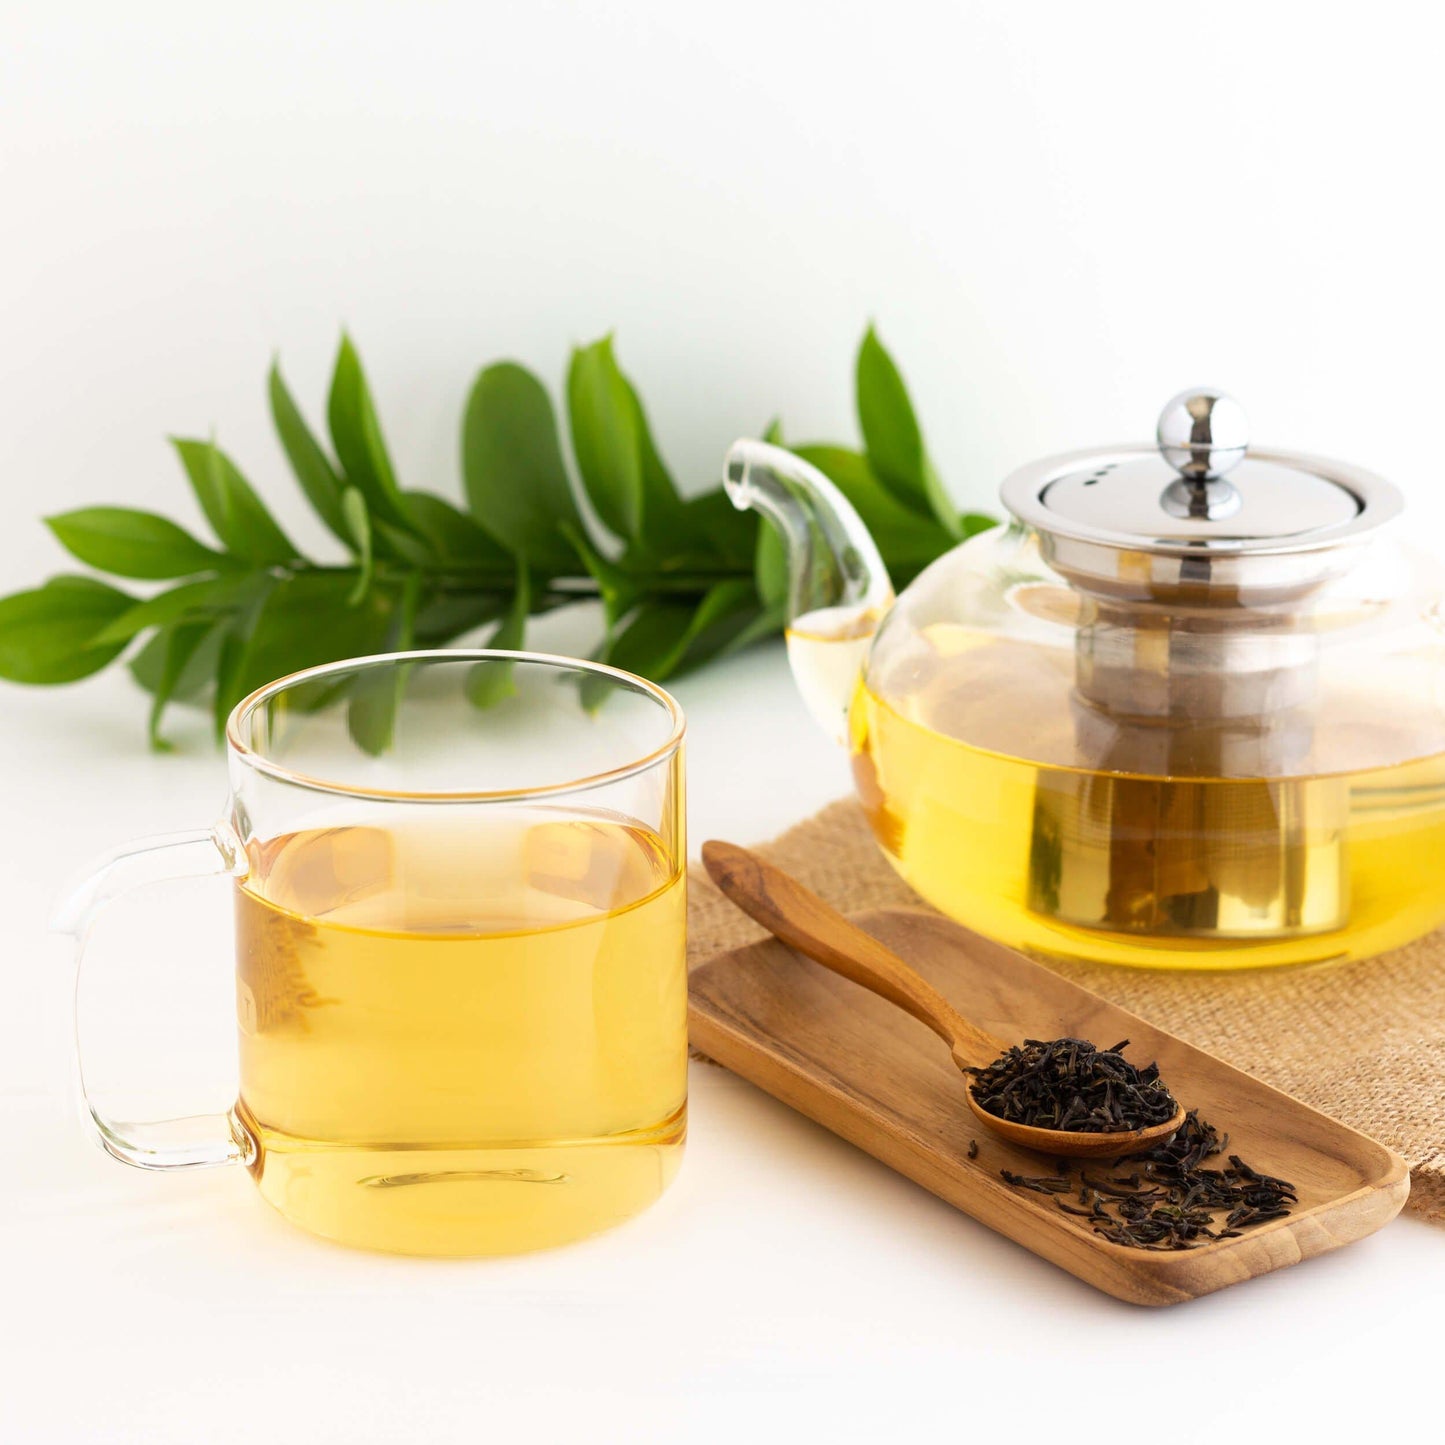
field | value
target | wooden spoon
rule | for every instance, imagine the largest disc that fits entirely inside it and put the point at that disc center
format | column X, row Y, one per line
column 804, row 922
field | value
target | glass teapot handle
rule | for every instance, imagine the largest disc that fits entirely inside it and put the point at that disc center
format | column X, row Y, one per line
column 202, row 1139
column 833, row 562
column 838, row 587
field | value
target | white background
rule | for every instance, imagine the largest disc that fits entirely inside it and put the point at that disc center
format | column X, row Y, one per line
column 1058, row 214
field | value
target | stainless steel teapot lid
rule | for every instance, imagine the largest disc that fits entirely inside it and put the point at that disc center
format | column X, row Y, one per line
column 1201, row 488
column 1201, row 501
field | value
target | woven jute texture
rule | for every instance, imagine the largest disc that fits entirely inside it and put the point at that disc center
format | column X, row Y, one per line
column 1364, row 1042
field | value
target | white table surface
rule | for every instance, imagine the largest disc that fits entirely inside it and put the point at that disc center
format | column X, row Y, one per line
column 788, row 1287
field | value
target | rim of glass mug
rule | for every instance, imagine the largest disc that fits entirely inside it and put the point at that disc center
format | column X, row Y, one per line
column 249, row 755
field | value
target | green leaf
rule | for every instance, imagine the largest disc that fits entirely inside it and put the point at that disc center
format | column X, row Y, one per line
column 452, row 535
column 652, row 642
column 625, row 477
column 190, row 602
column 975, row 522
column 512, row 462
column 358, row 523
column 356, row 435
column 302, row 621
column 447, row 615
column 766, row 622
column 907, row 539
column 716, row 532
column 664, row 636
column 490, row 682
column 511, row 629
column 620, row 588
column 721, row 616
column 148, row 665
column 892, row 438
column 235, row 512
column 131, row 543
column 227, row 692
column 371, row 709
column 179, row 648
column 376, row 694
column 770, row 567
column 408, row 546
column 48, row 635
column 773, row 432
column 312, row 466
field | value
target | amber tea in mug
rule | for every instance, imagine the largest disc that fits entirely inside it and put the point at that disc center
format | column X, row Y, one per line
column 460, row 977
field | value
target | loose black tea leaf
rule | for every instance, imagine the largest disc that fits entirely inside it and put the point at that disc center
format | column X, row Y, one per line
column 1069, row 1084
column 973, row 1148
column 1170, row 1201
column 1047, row 1184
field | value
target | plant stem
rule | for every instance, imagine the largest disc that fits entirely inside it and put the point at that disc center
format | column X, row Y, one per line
column 487, row 579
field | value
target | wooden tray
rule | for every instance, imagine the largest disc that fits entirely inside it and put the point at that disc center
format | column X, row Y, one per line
column 875, row 1077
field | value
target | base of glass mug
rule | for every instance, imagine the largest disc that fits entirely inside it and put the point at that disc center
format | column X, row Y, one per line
column 471, row 1200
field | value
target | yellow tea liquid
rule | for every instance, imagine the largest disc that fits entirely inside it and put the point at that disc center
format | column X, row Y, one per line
column 463, row 1038
column 1147, row 869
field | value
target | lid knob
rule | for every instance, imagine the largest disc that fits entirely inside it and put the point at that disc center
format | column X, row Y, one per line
column 1202, row 433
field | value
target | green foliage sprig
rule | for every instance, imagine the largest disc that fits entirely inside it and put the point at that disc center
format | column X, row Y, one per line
column 681, row 579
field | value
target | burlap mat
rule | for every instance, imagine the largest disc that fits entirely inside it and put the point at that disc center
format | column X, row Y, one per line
column 1364, row 1042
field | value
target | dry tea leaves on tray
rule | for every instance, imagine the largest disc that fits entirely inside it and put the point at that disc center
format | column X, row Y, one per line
column 1168, row 1200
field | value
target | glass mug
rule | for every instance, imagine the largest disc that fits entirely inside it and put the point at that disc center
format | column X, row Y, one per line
column 461, row 992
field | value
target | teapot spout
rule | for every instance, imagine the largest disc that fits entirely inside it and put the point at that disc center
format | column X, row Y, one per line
column 838, row 587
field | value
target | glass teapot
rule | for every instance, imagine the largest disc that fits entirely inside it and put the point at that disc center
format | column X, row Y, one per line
column 1185, row 710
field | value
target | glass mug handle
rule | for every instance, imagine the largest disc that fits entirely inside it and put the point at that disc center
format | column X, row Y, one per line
column 201, row 1140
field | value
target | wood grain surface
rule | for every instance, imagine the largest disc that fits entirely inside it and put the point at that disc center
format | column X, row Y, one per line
column 881, row 1080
